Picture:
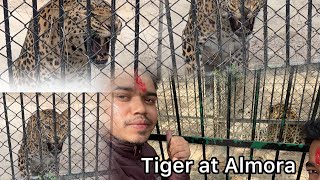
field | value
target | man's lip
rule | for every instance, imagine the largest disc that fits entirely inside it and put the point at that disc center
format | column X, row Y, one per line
column 139, row 125
column 142, row 123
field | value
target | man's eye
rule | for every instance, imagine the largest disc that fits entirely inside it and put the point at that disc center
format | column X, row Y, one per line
column 150, row 101
column 122, row 97
column 311, row 171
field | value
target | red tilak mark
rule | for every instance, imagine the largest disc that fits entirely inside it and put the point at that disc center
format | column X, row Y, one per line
column 318, row 156
column 140, row 84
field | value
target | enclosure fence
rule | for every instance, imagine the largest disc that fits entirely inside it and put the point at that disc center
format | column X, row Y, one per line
column 246, row 92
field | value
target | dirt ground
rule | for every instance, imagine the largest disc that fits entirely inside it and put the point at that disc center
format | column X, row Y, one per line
column 149, row 28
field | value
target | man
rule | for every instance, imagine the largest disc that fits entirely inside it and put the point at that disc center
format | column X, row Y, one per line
column 311, row 132
column 131, row 105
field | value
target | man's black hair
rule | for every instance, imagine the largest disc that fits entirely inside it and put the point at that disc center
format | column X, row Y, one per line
column 311, row 130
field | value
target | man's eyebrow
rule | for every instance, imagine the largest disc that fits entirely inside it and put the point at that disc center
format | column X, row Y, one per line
column 122, row 88
column 151, row 94
column 148, row 93
column 310, row 164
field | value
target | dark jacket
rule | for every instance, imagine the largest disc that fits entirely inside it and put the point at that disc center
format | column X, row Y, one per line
column 126, row 161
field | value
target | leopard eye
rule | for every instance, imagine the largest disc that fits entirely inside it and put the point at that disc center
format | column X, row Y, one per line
column 62, row 126
column 47, row 126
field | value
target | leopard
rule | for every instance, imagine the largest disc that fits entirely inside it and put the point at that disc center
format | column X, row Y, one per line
column 59, row 53
column 220, row 34
column 42, row 143
column 291, row 132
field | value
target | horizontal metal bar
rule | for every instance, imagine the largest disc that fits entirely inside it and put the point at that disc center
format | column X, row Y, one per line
column 86, row 174
column 242, row 120
column 239, row 143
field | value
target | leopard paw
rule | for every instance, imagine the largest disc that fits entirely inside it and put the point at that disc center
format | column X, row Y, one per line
column 190, row 69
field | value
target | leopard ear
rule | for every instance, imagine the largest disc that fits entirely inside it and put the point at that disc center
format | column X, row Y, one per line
column 65, row 114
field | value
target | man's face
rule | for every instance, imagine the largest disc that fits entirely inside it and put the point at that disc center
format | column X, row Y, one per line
column 313, row 165
column 134, row 108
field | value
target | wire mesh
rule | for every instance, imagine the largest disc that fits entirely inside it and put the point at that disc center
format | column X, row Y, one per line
column 242, row 89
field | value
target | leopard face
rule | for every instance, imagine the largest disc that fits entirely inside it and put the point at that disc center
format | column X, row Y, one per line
column 54, row 132
column 242, row 23
column 276, row 112
column 69, row 46
column 291, row 131
column 233, row 26
column 101, row 24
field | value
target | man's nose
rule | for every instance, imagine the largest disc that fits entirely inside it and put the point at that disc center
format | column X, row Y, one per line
column 138, row 105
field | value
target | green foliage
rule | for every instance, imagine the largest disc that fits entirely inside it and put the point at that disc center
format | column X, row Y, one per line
column 48, row 176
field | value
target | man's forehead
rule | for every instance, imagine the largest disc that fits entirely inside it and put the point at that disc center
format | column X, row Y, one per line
column 141, row 82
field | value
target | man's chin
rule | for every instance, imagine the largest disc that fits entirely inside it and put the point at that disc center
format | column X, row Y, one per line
column 138, row 139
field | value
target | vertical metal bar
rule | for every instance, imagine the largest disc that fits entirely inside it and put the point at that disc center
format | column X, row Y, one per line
column 39, row 127
column 194, row 22
column 112, row 66
column 218, row 23
column 171, row 97
column 5, row 108
column 113, row 49
column 136, row 35
column 83, row 134
column 286, row 103
column 214, row 109
column 8, row 40
column 262, row 96
column 55, row 131
column 69, row 134
column 228, row 114
column 89, row 40
column 160, row 27
column 303, row 156
column 111, row 128
column 97, row 136
column 303, row 91
column 165, row 100
column 291, row 99
column 265, row 53
column 176, row 105
column 61, row 43
column 219, row 28
column 174, row 65
column 255, row 111
column 195, row 98
column 265, row 34
column 282, row 92
column 280, row 138
column 187, row 96
column 253, row 94
column 160, row 142
column 25, row 135
column 170, row 30
column 309, row 24
column 316, row 106
column 254, row 106
column 244, row 92
column 157, row 125
column 287, row 32
column 36, row 38
column 235, row 90
column 113, row 37
column 315, row 89
column 272, row 91
column 243, row 38
column 179, row 99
